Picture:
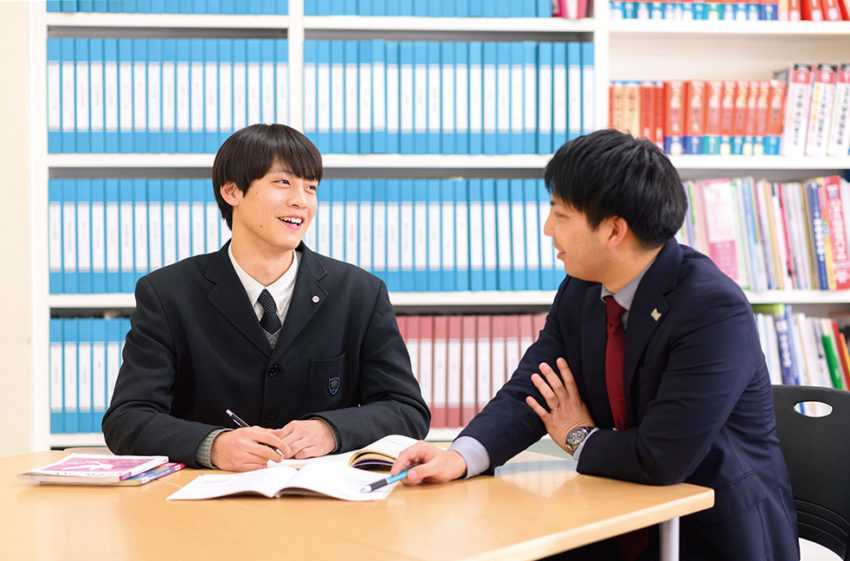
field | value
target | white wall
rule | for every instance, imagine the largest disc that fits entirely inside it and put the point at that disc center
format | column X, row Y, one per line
column 15, row 244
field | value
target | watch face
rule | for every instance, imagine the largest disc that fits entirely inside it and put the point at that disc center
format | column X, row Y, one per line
column 575, row 437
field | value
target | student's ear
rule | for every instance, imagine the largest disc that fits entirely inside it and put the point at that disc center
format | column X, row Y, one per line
column 619, row 228
column 231, row 193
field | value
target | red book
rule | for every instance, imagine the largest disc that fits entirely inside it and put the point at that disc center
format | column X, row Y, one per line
column 694, row 116
column 762, row 110
column 512, row 345
column 658, row 114
column 454, row 372
column 752, row 118
column 497, row 348
column 526, row 334
column 775, row 117
column 469, row 360
column 484, row 368
column 714, row 101
column 739, row 129
column 831, row 10
column 727, row 116
column 843, row 354
column 811, row 10
column 402, row 327
column 646, row 103
column 674, row 120
column 428, row 349
column 539, row 324
column 844, row 6
column 794, row 11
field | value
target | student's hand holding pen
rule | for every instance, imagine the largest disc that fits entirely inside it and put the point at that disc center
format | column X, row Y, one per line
column 437, row 464
column 246, row 448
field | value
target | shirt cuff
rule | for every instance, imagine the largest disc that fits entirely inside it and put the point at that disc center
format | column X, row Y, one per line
column 577, row 453
column 202, row 453
column 474, row 454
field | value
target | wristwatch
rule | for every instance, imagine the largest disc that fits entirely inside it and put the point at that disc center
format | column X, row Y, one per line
column 575, row 437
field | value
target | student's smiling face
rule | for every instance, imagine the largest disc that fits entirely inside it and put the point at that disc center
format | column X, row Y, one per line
column 580, row 247
column 275, row 211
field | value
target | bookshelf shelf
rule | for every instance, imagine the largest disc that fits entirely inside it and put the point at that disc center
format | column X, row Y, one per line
column 757, row 163
column 672, row 28
column 104, row 21
column 405, row 23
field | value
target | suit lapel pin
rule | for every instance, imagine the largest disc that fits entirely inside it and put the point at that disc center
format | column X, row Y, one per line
column 315, row 299
column 656, row 315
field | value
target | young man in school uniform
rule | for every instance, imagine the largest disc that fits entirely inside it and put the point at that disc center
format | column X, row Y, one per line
column 304, row 348
column 648, row 368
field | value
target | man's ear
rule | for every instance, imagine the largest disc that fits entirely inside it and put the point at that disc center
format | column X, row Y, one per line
column 619, row 229
column 231, row 194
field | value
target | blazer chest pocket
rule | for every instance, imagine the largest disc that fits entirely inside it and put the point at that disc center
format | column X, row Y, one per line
column 327, row 382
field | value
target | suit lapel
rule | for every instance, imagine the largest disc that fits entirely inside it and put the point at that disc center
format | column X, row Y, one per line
column 228, row 296
column 307, row 297
column 648, row 310
column 593, row 337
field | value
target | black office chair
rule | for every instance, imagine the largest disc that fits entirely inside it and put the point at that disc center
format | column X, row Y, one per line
column 817, row 452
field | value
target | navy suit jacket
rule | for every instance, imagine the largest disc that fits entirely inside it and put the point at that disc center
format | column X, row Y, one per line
column 698, row 401
column 195, row 349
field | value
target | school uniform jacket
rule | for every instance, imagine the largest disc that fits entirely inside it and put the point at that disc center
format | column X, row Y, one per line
column 698, row 403
column 196, row 348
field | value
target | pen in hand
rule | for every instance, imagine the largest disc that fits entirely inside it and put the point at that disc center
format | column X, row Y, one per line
column 386, row 481
column 240, row 423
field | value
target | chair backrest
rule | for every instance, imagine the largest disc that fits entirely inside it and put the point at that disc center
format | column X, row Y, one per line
column 817, row 452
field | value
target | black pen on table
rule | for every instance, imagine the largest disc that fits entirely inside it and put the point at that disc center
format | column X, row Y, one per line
column 239, row 422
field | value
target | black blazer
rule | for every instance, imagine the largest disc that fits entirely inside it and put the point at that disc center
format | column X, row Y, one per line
column 195, row 348
column 698, row 401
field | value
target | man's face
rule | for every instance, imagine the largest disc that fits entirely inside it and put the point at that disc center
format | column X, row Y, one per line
column 276, row 210
column 582, row 249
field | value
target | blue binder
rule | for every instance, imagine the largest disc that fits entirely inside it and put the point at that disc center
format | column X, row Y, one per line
column 126, row 235
column 54, row 205
column 503, row 233
column 96, row 121
column 70, row 338
column 154, row 202
column 379, row 79
column 211, row 84
column 434, row 234
column 337, row 97
column 98, row 216
column 406, row 198
column 476, row 236
column 393, row 235
column 57, row 369
column 529, row 134
column 559, row 63
column 460, row 188
column 140, row 103
column 392, row 67
column 517, row 95
column 69, row 107
column 351, row 123
column 69, row 235
column 240, row 57
column 84, row 247
column 54, row 85
column 489, row 235
column 407, row 144
column 544, row 98
column 544, row 8
column 490, row 91
column 225, row 100
column 449, row 126
column 476, row 104
column 449, row 252
column 532, row 270
column 113, row 242
column 519, row 244
column 99, row 399
column 125, row 96
column 323, row 61
column 364, row 55
column 420, row 96
column 379, row 221
column 311, row 58
column 461, row 61
column 197, row 140
column 434, row 102
column 503, row 121
column 84, row 372
column 155, row 132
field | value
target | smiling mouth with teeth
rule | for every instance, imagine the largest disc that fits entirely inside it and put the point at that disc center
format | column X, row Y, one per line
column 295, row 221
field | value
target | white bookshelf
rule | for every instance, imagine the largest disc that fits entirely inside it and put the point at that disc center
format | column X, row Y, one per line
column 624, row 49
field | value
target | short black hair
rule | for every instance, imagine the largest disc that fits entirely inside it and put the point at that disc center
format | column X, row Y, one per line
column 608, row 173
column 249, row 154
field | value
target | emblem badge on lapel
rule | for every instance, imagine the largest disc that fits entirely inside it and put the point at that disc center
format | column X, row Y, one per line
column 333, row 385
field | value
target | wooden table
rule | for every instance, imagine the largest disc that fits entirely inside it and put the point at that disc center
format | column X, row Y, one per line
column 536, row 506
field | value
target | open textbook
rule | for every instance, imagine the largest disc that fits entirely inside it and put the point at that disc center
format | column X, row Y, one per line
column 380, row 454
column 332, row 479
column 335, row 475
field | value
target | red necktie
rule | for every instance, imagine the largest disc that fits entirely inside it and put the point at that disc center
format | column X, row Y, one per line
column 632, row 544
column 614, row 347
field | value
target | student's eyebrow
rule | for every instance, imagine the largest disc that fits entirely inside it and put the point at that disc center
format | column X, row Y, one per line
column 281, row 170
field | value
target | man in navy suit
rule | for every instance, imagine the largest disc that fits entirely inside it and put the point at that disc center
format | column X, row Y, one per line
column 648, row 369
column 304, row 348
